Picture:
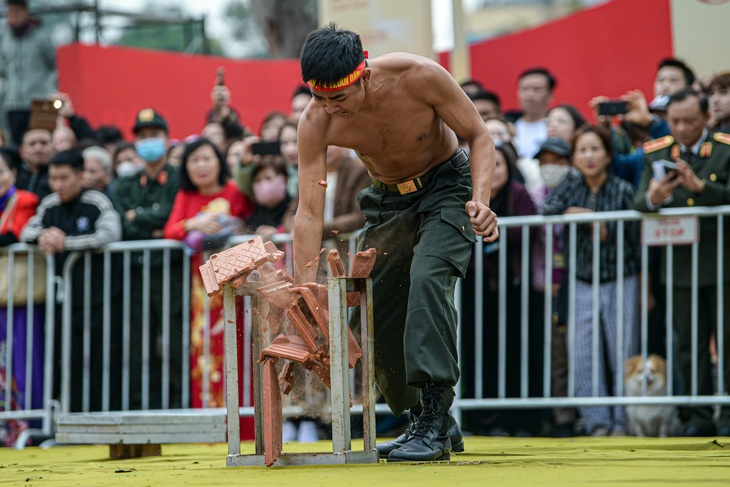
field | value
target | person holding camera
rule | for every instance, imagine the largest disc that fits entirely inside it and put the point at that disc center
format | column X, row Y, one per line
column 696, row 164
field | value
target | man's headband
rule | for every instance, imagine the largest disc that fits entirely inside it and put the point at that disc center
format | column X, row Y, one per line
column 342, row 82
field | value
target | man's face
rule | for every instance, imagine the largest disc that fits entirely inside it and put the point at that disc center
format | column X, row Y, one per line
column 17, row 16
column 150, row 133
column 298, row 104
column 486, row 109
column 341, row 103
column 94, row 175
column 720, row 103
column 65, row 181
column 686, row 120
column 534, row 94
column 36, row 147
column 669, row 80
column 63, row 139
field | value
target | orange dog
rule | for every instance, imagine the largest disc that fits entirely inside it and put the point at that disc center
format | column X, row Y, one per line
column 649, row 420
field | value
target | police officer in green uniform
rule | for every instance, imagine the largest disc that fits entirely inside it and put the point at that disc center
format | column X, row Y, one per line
column 144, row 202
column 701, row 178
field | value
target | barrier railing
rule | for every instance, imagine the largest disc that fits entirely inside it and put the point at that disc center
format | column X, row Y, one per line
column 524, row 399
column 37, row 312
column 147, row 270
column 136, row 266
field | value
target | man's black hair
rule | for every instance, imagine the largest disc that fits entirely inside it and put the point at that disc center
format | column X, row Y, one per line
column 689, row 75
column 11, row 158
column 70, row 157
column 486, row 95
column 329, row 54
column 185, row 183
column 552, row 82
column 472, row 82
column 685, row 93
column 301, row 90
column 109, row 134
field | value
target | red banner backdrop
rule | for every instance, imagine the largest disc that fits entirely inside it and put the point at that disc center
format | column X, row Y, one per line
column 108, row 85
column 608, row 49
column 605, row 50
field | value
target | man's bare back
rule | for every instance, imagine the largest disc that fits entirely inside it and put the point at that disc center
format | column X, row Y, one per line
column 396, row 132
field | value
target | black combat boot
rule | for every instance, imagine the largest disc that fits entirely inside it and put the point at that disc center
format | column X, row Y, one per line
column 384, row 449
column 457, row 439
column 429, row 436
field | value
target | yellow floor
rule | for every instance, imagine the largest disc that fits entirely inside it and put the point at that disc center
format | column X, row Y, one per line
column 510, row 462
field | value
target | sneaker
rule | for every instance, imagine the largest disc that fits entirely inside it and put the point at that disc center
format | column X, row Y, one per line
column 288, row 432
column 308, row 432
column 600, row 431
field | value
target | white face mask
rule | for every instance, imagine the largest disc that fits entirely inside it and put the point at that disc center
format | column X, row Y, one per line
column 552, row 174
column 127, row 168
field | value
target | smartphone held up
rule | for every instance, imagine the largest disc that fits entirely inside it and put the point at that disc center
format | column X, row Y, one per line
column 613, row 107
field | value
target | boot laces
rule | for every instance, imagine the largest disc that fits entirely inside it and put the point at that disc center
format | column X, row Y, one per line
column 424, row 423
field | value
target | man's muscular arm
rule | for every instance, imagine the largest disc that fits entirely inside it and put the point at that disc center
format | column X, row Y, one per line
column 308, row 221
column 458, row 112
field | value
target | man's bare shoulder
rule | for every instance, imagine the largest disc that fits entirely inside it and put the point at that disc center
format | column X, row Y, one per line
column 417, row 71
column 314, row 119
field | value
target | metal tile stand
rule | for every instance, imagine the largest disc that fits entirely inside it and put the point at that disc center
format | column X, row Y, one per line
column 342, row 452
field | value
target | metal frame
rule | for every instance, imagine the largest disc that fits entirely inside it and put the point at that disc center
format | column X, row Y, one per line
column 342, row 452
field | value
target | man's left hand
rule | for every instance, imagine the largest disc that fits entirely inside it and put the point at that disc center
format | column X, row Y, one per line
column 483, row 219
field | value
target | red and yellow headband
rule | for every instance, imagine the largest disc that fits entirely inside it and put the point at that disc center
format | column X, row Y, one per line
column 343, row 82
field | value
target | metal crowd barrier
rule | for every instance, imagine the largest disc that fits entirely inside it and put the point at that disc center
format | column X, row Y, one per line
column 128, row 250
column 478, row 400
column 42, row 416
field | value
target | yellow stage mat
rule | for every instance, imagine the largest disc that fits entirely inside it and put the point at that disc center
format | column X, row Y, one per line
column 510, row 462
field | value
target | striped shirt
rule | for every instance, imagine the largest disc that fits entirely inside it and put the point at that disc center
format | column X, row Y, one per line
column 615, row 195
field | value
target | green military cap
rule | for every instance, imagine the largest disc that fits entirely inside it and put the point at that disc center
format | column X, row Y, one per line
column 147, row 117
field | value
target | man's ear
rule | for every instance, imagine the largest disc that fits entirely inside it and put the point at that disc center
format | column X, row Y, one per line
column 366, row 74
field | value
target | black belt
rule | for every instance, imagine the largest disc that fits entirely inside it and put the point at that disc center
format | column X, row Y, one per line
column 412, row 185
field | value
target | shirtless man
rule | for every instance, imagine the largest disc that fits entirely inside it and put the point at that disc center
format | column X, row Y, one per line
column 400, row 112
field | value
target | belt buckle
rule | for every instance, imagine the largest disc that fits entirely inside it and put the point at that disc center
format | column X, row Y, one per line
column 407, row 187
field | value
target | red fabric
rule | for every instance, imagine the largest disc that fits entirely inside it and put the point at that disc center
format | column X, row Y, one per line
column 188, row 204
column 110, row 84
column 22, row 211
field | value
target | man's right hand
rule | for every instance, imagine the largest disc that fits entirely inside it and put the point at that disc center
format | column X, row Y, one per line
column 638, row 113
column 483, row 220
column 661, row 191
column 248, row 156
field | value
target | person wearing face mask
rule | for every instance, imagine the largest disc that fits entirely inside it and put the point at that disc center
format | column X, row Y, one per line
column 125, row 160
column 555, row 165
column 271, row 198
column 144, row 200
column 509, row 198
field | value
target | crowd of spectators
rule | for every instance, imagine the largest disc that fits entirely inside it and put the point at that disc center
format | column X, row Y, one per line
column 568, row 165
column 72, row 187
